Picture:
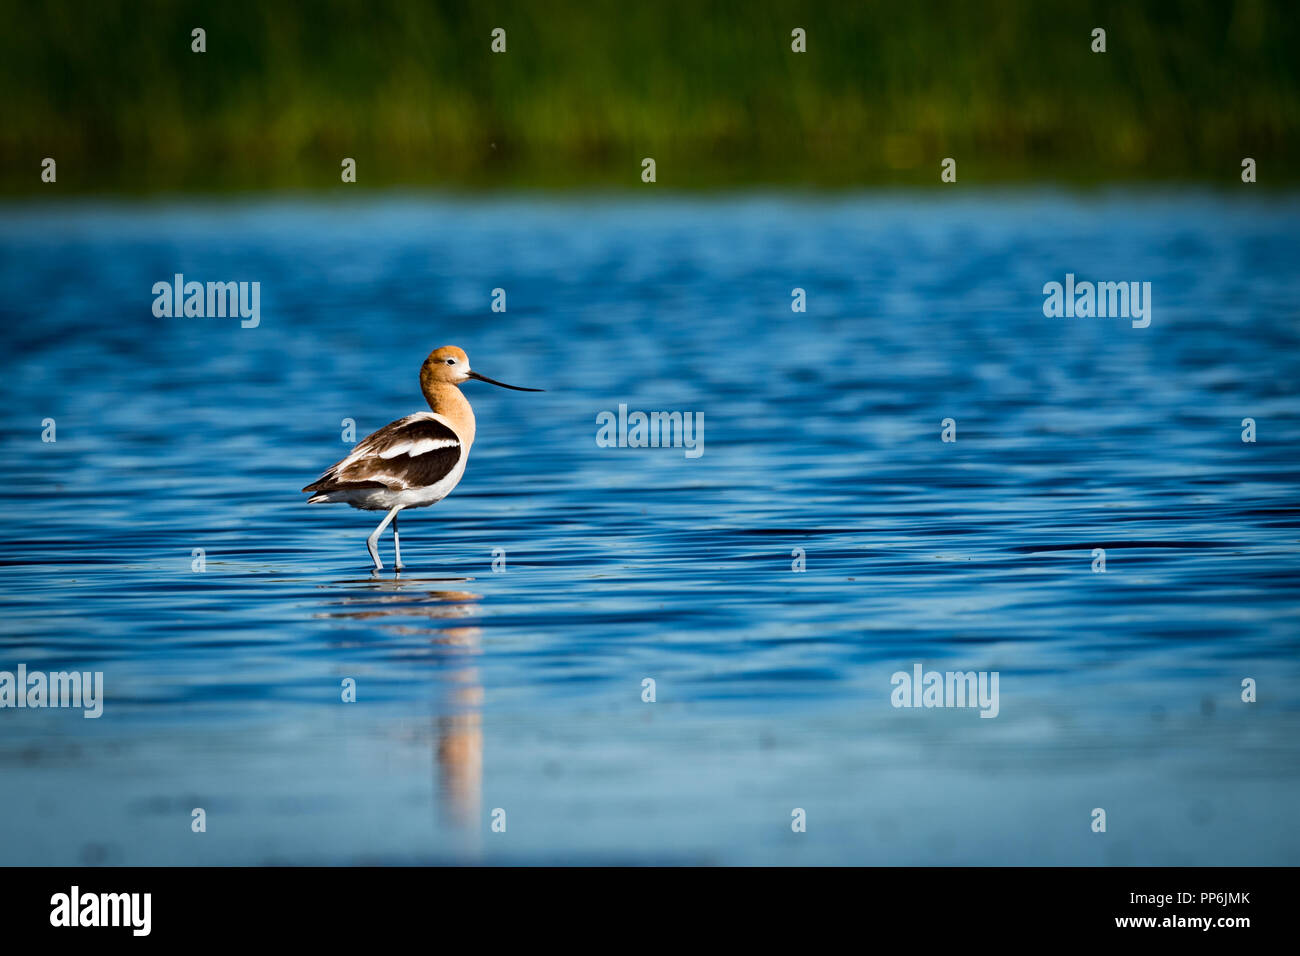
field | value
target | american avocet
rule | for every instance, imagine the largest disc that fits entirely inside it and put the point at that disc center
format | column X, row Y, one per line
column 414, row 461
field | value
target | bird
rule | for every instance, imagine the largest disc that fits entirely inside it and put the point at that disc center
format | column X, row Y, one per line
column 415, row 461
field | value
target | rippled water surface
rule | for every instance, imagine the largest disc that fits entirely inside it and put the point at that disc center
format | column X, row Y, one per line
column 522, row 690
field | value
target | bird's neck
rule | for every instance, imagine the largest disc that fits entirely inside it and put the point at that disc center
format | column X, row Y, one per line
column 447, row 401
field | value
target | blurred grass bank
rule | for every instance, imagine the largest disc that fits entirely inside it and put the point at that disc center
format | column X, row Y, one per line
column 584, row 91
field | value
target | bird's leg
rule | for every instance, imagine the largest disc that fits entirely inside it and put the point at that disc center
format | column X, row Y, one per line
column 397, row 546
column 372, row 542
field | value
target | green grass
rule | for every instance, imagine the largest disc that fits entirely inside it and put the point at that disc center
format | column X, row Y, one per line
column 712, row 91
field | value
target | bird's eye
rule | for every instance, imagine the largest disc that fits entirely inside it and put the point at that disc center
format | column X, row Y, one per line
column 451, row 361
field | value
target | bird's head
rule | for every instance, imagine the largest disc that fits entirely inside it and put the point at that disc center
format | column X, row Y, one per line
column 450, row 366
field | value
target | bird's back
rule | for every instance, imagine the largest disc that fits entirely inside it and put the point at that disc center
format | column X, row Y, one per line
column 416, row 457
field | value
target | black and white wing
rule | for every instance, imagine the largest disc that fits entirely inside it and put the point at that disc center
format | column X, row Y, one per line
column 417, row 451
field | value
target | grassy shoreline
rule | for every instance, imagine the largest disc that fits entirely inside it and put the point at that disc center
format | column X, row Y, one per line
column 584, row 92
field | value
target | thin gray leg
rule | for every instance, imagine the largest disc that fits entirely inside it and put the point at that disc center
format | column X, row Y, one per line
column 397, row 546
column 372, row 542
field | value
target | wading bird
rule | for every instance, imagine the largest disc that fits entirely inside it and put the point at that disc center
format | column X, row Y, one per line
column 414, row 461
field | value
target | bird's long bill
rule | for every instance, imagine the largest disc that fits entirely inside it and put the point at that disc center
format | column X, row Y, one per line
column 492, row 381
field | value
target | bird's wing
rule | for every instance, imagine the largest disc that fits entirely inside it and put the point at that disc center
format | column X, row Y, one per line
column 413, row 452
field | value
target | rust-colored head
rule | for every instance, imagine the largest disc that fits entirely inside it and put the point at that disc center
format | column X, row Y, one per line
column 450, row 366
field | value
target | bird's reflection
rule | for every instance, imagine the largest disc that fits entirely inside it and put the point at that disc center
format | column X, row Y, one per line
column 460, row 736
column 405, row 605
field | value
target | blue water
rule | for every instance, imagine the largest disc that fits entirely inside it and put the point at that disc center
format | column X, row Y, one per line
column 521, row 689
